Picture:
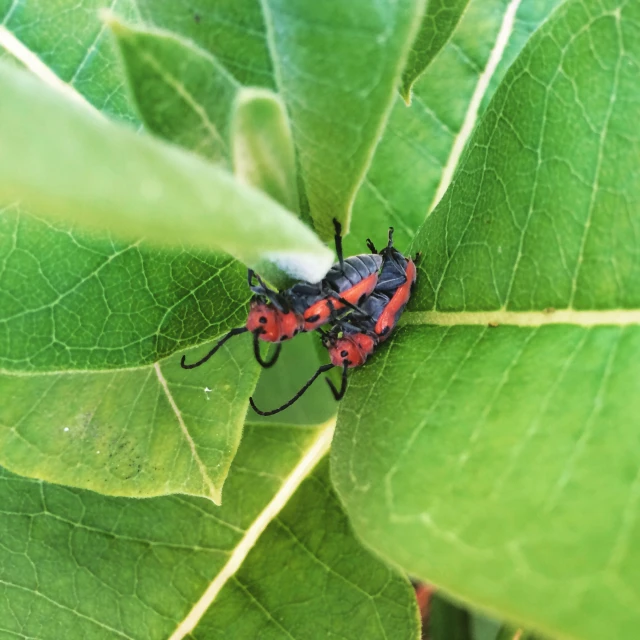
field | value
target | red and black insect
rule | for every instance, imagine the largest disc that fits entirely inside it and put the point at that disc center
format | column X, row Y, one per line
column 276, row 316
column 354, row 338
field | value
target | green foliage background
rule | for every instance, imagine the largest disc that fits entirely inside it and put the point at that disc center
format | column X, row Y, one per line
column 490, row 447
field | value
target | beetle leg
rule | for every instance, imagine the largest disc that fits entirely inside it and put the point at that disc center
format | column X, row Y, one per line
column 339, row 394
column 346, row 303
column 309, row 382
column 265, row 364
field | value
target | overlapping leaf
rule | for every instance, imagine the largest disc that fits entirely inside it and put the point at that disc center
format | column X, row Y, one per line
column 338, row 66
column 412, row 164
column 263, row 153
column 69, row 300
column 80, row 565
column 182, row 93
column 140, row 431
column 60, row 161
column 71, row 41
column 234, row 32
column 82, row 306
column 501, row 462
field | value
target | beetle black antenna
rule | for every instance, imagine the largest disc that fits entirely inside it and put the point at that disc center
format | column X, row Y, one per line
column 234, row 332
column 338, row 240
column 338, row 395
column 371, row 246
column 321, row 370
column 390, row 243
column 265, row 364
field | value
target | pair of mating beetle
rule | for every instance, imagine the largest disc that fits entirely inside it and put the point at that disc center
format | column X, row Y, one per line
column 362, row 296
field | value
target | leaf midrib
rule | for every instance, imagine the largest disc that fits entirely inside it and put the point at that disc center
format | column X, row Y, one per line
column 471, row 115
column 32, row 61
column 214, row 493
column 584, row 318
column 307, row 462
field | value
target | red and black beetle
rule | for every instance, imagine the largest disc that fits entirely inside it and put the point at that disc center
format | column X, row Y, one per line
column 276, row 316
column 354, row 338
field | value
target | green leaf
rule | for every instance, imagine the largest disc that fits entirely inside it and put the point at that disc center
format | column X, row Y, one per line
column 421, row 145
column 181, row 92
column 231, row 30
column 80, row 565
column 73, row 301
column 473, row 455
column 263, row 153
column 140, row 431
column 338, row 66
column 59, row 160
column 438, row 23
column 529, row 16
column 67, row 44
column 185, row 96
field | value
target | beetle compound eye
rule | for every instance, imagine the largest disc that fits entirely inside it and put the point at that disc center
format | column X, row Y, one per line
column 262, row 320
column 344, row 353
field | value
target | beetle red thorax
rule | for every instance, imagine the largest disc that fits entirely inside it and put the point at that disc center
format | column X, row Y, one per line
column 354, row 348
column 272, row 324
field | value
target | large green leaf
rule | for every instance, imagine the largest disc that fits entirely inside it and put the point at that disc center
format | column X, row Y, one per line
column 138, row 431
column 126, row 307
column 80, row 565
column 72, row 301
column 438, row 23
column 421, row 146
column 338, row 66
column 497, row 454
column 86, row 330
column 59, row 160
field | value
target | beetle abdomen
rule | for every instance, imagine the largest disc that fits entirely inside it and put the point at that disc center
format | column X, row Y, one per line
column 356, row 269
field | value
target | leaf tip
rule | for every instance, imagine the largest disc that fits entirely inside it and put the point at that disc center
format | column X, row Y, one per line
column 262, row 99
column 111, row 20
column 406, row 92
column 215, row 495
